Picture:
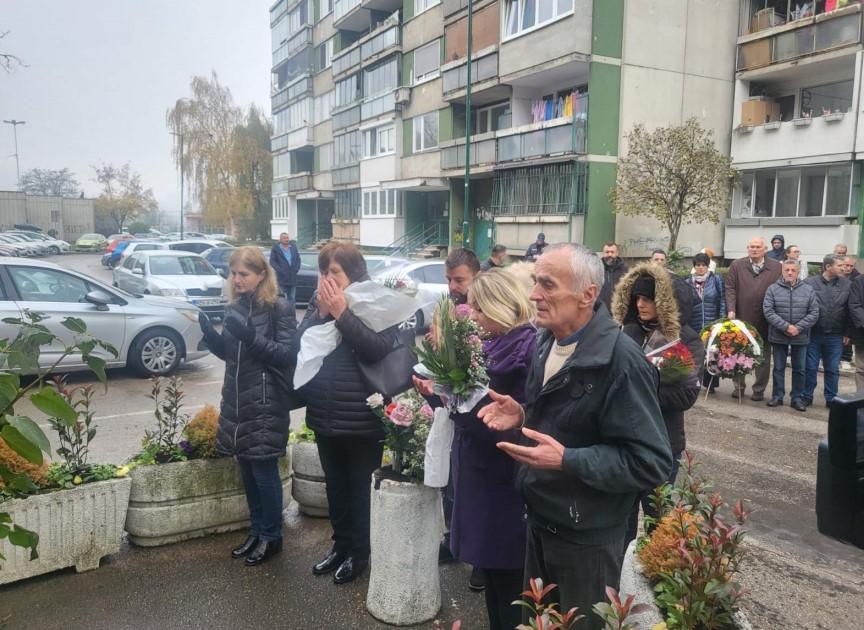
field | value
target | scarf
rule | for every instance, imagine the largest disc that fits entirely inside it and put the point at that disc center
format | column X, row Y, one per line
column 699, row 283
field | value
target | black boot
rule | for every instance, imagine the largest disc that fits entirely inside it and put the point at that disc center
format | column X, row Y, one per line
column 350, row 570
column 329, row 563
column 247, row 546
column 264, row 550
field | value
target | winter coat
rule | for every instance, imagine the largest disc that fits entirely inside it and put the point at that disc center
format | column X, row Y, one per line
column 785, row 305
column 856, row 310
column 777, row 254
column 612, row 273
column 675, row 398
column 489, row 264
column 712, row 305
column 534, row 251
column 336, row 396
column 253, row 419
column 286, row 274
column 486, row 527
column 745, row 291
column 833, row 297
column 602, row 406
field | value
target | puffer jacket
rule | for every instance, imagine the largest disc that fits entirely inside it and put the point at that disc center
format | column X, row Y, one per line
column 785, row 305
column 253, row 419
column 833, row 296
column 336, row 396
column 675, row 398
column 712, row 304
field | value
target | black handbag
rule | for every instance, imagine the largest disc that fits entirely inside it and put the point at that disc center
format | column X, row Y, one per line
column 392, row 374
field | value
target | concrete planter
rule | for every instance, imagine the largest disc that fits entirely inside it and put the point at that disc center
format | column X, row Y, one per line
column 76, row 527
column 406, row 528
column 309, row 488
column 633, row 582
column 183, row 500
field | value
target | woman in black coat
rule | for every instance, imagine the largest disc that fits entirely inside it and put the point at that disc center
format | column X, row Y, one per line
column 349, row 435
column 258, row 349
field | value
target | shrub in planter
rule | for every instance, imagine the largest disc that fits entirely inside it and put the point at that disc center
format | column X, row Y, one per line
column 200, row 433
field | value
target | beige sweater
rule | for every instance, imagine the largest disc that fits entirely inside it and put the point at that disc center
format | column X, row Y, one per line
column 558, row 356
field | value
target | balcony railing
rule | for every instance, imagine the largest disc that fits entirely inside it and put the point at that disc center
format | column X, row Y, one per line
column 815, row 35
column 298, row 41
column 277, row 11
column 381, row 42
column 293, row 139
column 342, row 7
column 292, row 184
column 482, row 69
column 346, row 117
column 288, row 94
column 346, row 175
column 452, row 6
column 378, row 105
column 346, row 61
column 557, row 137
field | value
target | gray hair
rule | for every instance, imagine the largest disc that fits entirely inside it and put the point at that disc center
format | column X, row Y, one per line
column 585, row 264
column 792, row 262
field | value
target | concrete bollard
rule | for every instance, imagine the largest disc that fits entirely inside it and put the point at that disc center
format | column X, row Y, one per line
column 309, row 488
column 407, row 523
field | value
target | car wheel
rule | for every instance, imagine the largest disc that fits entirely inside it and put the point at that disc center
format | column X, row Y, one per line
column 156, row 352
column 415, row 322
column 54, row 250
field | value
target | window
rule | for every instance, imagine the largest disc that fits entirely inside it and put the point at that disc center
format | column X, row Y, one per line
column 378, row 141
column 427, row 61
column 280, row 207
column 324, row 106
column 521, row 16
column 492, row 118
column 433, row 274
column 381, row 78
column 279, row 33
column 294, row 116
column 48, row 285
column 813, row 191
column 348, row 90
column 129, row 263
column 424, row 5
column 297, row 18
column 282, row 165
column 326, row 8
column 325, row 157
column 324, row 55
column 346, row 149
column 837, row 193
column 426, row 131
column 826, row 99
column 55, row 216
column 381, row 203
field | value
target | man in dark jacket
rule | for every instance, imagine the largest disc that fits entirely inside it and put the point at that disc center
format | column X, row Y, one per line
column 746, row 283
column 856, row 316
column 593, row 417
column 613, row 270
column 285, row 260
column 536, row 248
column 791, row 309
column 778, row 248
column 496, row 258
column 828, row 336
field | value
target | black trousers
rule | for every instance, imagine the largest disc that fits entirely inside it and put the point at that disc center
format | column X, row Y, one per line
column 503, row 587
column 582, row 572
column 348, row 464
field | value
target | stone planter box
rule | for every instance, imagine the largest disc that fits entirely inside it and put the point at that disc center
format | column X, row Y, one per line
column 406, row 529
column 308, row 487
column 76, row 527
column 183, row 500
column 634, row 583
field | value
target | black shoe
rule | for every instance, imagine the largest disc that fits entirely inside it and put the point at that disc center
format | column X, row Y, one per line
column 263, row 551
column 798, row 405
column 806, row 402
column 444, row 553
column 329, row 564
column 775, row 402
column 349, row 570
column 247, row 546
column 757, row 397
column 477, row 581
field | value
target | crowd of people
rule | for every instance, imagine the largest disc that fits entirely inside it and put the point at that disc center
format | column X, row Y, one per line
column 548, row 471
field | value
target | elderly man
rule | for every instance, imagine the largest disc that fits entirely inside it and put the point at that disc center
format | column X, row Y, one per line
column 746, row 283
column 285, row 260
column 598, row 439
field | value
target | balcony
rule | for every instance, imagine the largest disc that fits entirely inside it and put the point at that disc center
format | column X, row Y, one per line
column 297, row 42
column 359, row 15
column 346, row 61
column 554, row 138
column 346, row 117
column 291, row 140
column 485, row 87
column 346, row 175
column 300, row 87
column 373, row 107
column 292, row 184
column 454, row 6
column 385, row 39
column 800, row 39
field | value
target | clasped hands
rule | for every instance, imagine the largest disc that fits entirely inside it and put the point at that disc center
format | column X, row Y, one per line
column 331, row 298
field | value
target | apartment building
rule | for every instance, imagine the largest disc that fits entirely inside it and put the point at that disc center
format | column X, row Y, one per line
column 370, row 115
column 797, row 142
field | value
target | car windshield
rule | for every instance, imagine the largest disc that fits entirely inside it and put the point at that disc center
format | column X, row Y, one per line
column 91, row 237
column 180, row 266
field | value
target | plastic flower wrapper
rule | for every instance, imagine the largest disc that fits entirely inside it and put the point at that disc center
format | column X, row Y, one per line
column 674, row 361
column 732, row 348
column 406, row 423
column 400, row 283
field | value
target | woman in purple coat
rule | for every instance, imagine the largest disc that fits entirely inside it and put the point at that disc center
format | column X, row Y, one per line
column 486, row 529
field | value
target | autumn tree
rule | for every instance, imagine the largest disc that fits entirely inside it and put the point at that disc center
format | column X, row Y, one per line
column 123, row 197
column 43, row 181
column 254, row 166
column 224, row 154
column 675, row 175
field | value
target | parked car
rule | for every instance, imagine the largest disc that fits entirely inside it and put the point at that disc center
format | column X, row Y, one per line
column 428, row 278
column 179, row 275
column 91, row 242
column 196, row 245
column 375, row 263
column 55, row 245
column 151, row 334
column 218, row 257
column 39, row 246
column 216, row 237
column 23, row 249
column 140, row 246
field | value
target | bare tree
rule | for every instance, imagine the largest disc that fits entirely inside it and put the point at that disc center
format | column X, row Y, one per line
column 123, row 196
column 675, row 175
column 39, row 181
column 8, row 61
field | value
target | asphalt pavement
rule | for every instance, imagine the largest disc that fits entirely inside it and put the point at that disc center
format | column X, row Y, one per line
column 798, row 579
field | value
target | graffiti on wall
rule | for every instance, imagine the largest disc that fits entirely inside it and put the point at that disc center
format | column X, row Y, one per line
column 643, row 246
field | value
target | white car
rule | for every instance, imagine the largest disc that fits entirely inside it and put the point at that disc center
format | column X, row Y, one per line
column 196, row 245
column 428, row 278
column 141, row 246
column 152, row 334
column 180, row 275
column 55, row 245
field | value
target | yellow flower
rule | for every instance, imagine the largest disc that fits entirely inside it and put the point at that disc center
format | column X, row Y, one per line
column 122, row 471
column 77, row 480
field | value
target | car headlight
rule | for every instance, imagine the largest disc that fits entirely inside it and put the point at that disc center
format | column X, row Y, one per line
column 169, row 292
column 189, row 314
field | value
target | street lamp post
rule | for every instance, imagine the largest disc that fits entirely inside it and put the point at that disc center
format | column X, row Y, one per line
column 15, row 124
column 467, row 200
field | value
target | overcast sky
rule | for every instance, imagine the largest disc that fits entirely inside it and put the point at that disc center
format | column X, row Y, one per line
column 101, row 73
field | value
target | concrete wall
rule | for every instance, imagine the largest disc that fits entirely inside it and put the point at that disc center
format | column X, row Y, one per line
column 819, row 141
column 426, row 97
column 422, row 28
column 684, row 69
column 381, row 169
column 380, row 231
column 485, row 29
column 421, row 165
column 346, row 231
column 814, row 240
column 69, row 218
column 517, row 236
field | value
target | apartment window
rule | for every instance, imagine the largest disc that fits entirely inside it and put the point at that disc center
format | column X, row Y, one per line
column 346, row 149
column 297, row 18
column 378, row 141
column 279, row 33
column 324, row 106
column 424, row 5
column 381, row 203
column 826, row 99
column 325, row 157
column 326, row 8
column 426, row 132
column 347, row 204
column 282, row 165
column 348, row 90
column 813, row 191
column 280, row 207
column 324, row 55
column 492, row 118
column 381, row 78
column 295, row 115
column 427, row 61
column 521, row 16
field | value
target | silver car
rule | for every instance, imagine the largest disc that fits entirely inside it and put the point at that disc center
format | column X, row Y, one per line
column 152, row 334
column 179, row 275
column 427, row 276
column 55, row 246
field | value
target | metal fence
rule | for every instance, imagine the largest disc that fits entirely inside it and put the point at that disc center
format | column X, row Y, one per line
column 541, row 190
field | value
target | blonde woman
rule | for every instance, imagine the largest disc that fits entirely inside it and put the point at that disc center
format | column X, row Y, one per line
column 257, row 347
column 486, row 529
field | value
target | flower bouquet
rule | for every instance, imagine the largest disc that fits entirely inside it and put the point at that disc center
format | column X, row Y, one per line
column 400, row 284
column 732, row 348
column 407, row 421
column 674, row 361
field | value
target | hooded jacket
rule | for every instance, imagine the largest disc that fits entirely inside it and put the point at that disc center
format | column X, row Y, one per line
column 777, row 254
column 675, row 398
column 796, row 305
